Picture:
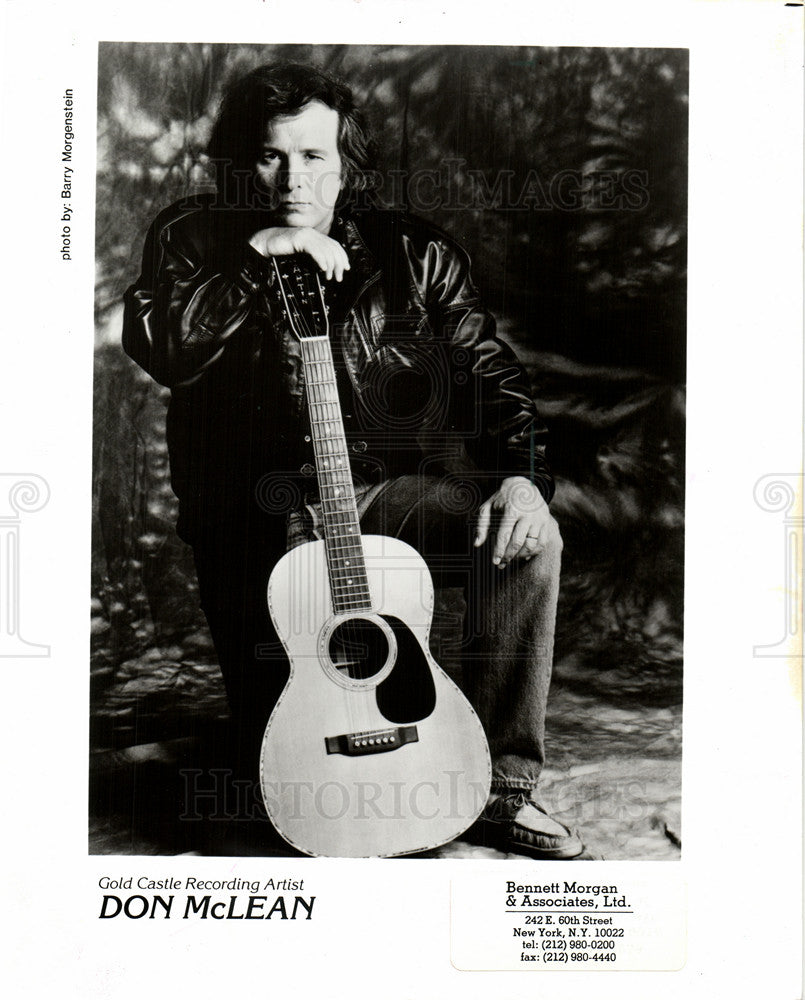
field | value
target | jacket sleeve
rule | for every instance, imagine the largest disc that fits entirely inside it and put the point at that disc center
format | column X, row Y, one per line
column 186, row 305
column 503, row 431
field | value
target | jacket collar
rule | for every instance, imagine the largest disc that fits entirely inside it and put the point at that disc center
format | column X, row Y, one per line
column 363, row 261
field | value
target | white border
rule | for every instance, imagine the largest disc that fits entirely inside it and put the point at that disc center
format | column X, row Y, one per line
column 383, row 926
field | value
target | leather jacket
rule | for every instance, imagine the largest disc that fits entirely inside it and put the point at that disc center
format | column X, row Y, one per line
column 425, row 385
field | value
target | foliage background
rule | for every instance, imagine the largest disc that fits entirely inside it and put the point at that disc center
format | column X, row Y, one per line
column 592, row 298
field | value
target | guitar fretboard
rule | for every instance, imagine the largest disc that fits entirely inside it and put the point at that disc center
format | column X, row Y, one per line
column 342, row 537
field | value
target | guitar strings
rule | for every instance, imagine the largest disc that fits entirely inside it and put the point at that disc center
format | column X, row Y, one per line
column 326, row 418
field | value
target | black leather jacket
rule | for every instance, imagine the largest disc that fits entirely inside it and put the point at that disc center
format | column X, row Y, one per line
column 425, row 384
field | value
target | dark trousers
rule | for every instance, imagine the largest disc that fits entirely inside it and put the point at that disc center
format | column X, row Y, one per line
column 507, row 648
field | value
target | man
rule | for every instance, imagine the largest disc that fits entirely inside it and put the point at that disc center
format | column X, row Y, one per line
column 447, row 451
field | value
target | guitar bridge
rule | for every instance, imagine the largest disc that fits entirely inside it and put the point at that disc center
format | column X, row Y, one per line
column 375, row 741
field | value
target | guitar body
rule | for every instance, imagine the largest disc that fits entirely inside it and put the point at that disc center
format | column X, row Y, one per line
column 371, row 751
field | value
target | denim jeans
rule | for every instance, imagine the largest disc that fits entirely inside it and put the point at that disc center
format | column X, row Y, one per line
column 507, row 643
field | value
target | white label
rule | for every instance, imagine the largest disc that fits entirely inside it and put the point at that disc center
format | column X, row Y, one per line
column 538, row 919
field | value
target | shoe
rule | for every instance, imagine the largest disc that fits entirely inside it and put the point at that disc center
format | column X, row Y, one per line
column 502, row 825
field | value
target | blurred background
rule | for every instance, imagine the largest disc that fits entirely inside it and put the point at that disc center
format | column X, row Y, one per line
column 564, row 173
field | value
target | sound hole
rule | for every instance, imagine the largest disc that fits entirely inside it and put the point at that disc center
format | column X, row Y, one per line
column 358, row 648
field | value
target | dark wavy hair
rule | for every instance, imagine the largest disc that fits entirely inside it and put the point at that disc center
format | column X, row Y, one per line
column 252, row 102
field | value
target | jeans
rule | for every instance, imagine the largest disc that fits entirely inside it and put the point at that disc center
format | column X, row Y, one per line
column 508, row 633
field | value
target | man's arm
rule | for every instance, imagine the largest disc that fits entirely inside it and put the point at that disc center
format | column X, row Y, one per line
column 202, row 283
column 329, row 256
column 511, row 436
column 190, row 298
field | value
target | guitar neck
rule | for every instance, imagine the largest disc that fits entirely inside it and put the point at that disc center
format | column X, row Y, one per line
column 342, row 537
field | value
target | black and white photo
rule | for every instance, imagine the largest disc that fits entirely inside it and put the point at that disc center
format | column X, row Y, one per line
column 493, row 242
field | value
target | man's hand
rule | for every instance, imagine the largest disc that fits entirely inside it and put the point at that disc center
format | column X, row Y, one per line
column 277, row 241
column 521, row 521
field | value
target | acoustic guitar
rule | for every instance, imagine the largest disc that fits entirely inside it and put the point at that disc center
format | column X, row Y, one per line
column 371, row 750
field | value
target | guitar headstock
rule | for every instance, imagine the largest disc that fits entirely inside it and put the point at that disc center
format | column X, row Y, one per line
column 302, row 296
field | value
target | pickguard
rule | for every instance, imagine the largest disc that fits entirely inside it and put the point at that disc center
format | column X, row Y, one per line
column 408, row 693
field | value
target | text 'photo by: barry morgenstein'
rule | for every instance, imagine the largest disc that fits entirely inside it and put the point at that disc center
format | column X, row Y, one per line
column 388, row 495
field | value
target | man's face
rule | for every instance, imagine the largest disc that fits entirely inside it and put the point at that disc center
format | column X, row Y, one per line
column 301, row 167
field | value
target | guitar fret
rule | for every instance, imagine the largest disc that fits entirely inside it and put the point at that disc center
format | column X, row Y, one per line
column 306, row 312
